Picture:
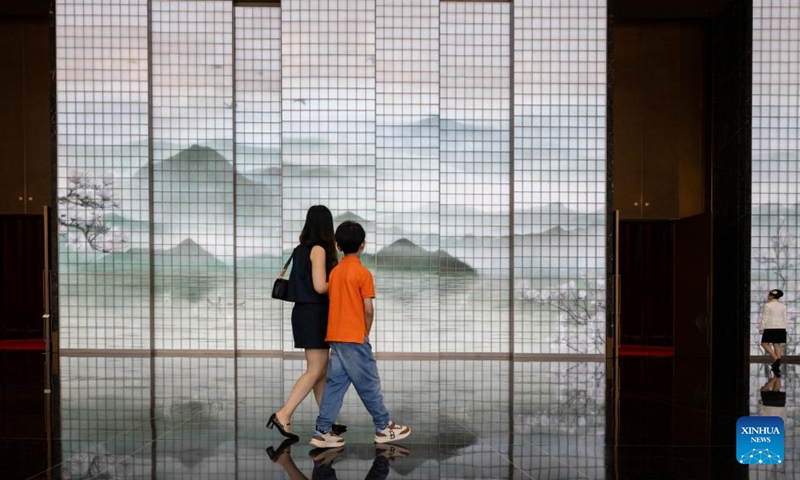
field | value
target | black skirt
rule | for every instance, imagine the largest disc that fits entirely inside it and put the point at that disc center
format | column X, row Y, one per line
column 774, row 335
column 310, row 325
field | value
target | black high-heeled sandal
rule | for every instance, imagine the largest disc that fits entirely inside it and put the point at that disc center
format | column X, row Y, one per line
column 273, row 422
column 274, row 453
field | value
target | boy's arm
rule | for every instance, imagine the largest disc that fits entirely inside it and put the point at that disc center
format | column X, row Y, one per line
column 369, row 313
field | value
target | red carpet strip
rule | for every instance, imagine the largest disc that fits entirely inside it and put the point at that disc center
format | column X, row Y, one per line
column 25, row 344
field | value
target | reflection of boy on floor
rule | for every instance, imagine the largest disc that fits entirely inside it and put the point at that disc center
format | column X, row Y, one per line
column 350, row 316
column 384, row 455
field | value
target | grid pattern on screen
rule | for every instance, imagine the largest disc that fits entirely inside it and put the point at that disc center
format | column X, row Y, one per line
column 193, row 173
column 195, row 415
column 102, row 136
column 776, row 164
column 475, row 176
column 258, row 175
column 328, row 115
column 97, row 403
column 391, row 113
column 407, row 171
column 560, row 176
column 559, row 418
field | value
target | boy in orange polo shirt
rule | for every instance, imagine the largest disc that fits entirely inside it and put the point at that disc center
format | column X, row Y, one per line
column 350, row 316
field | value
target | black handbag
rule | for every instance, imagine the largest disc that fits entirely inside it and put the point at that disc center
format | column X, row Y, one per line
column 280, row 289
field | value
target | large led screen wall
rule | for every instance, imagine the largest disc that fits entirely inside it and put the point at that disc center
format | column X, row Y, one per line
column 776, row 166
column 467, row 137
column 775, row 256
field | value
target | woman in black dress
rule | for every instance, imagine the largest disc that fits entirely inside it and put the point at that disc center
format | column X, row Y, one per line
column 312, row 261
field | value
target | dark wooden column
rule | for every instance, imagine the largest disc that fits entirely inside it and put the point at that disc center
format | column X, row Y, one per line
column 731, row 84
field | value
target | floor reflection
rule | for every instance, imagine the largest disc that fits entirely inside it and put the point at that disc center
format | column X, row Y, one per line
column 775, row 395
column 204, row 418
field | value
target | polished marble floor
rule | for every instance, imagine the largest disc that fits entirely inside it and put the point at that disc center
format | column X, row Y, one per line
column 203, row 418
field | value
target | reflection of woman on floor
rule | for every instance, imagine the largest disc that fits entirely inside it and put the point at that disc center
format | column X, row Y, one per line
column 283, row 457
column 313, row 260
column 772, row 402
column 773, row 328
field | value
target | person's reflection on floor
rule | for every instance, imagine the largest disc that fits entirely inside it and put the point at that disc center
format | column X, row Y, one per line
column 385, row 453
column 772, row 402
column 283, row 457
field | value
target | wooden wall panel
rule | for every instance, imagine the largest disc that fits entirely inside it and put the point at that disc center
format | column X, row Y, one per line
column 25, row 146
column 694, row 152
column 647, row 284
column 627, row 129
column 12, row 131
column 661, row 119
column 22, row 264
column 660, row 122
column 36, row 117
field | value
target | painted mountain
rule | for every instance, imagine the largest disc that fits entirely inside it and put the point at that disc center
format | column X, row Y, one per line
column 186, row 257
column 406, row 255
column 544, row 218
column 200, row 180
column 349, row 216
column 134, row 260
column 194, row 194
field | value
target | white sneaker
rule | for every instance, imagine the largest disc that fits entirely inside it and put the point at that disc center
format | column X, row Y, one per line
column 392, row 433
column 326, row 440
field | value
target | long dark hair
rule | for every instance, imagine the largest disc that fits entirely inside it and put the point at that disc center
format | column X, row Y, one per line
column 319, row 230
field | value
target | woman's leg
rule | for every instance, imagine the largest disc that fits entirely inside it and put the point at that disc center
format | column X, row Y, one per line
column 320, row 359
column 316, row 365
column 768, row 348
column 778, row 350
column 319, row 387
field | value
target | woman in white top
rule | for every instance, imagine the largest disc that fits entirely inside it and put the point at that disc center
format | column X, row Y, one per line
column 772, row 328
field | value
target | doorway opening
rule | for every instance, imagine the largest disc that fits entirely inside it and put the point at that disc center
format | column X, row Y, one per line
column 661, row 183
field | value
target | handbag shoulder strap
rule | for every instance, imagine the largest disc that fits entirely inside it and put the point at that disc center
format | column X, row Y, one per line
column 286, row 265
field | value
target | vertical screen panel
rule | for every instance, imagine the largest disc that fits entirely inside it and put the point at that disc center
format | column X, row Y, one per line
column 194, row 401
column 562, row 406
column 407, row 149
column 468, row 390
column 255, row 403
column 776, row 164
column 100, row 398
column 475, row 175
column 328, row 116
column 560, row 176
column 258, row 176
column 775, row 144
column 104, row 282
column 193, row 174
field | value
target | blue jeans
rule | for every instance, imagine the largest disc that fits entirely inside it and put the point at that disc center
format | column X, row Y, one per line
column 352, row 363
